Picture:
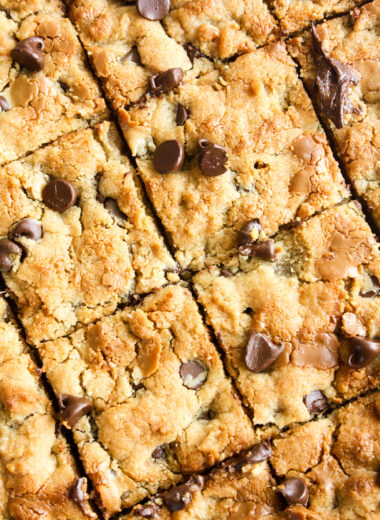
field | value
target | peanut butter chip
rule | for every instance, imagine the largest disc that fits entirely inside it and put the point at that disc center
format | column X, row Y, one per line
column 321, row 353
column 261, row 352
column 300, row 183
column 153, row 9
column 307, row 149
column 370, row 75
column 248, row 511
column 193, row 374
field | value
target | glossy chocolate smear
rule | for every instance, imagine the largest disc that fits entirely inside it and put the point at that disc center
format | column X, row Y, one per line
column 133, row 56
column 4, row 105
column 249, row 232
column 77, row 493
column 28, row 228
column 72, row 408
column 179, row 497
column 165, row 81
column 263, row 250
column 193, row 52
column 295, row 491
column 258, row 453
column 181, row 116
column 362, row 351
column 153, row 9
column 28, row 53
column 9, row 251
column 315, row 402
column 193, row 374
column 261, row 352
column 169, row 157
column 332, row 82
column 212, row 158
column 59, row 195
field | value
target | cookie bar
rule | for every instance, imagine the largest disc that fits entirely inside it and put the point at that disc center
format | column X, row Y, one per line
column 340, row 65
column 46, row 89
column 38, row 477
column 325, row 469
column 76, row 238
column 249, row 146
column 295, row 15
column 301, row 330
column 159, row 403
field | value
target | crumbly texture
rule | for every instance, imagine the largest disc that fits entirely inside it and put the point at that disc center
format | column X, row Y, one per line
column 89, row 259
column 311, row 300
column 353, row 40
column 36, row 467
column 295, row 15
column 59, row 99
column 280, row 166
column 129, row 366
column 336, row 457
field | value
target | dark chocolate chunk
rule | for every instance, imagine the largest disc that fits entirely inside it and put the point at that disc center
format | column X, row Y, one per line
column 134, row 56
column 212, row 158
column 4, row 105
column 244, row 236
column 316, row 402
column 182, row 115
column 332, row 82
column 193, row 374
column 8, row 251
column 362, row 351
column 165, row 81
column 295, row 491
column 59, row 195
column 263, row 250
column 153, row 9
column 28, row 53
column 374, row 291
column 112, row 207
column 28, row 228
column 169, row 157
column 179, row 497
column 77, row 493
column 261, row 352
column 258, row 453
column 159, row 452
column 72, row 408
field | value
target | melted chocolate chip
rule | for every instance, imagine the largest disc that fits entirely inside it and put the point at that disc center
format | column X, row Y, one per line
column 28, row 53
column 244, row 236
column 169, row 157
column 133, row 56
column 159, row 453
column 226, row 273
column 332, row 82
column 153, row 9
column 193, row 374
column 193, row 52
column 179, row 497
column 59, row 195
column 258, row 453
column 362, row 351
column 295, row 491
column 212, row 158
column 261, row 352
column 77, row 493
column 315, row 402
column 28, row 228
column 374, row 291
column 72, row 408
column 113, row 209
column 263, row 250
column 182, row 115
column 8, row 251
column 4, row 105
column 149, row 510
column 165, row 81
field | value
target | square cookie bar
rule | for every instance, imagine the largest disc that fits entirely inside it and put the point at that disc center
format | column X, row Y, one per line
column 46, row 89
column 237, row 142
column 38, row 477
column 322, row 470
column 76, row 238
column 301, row 331
column 146, row 395
column 340, row 63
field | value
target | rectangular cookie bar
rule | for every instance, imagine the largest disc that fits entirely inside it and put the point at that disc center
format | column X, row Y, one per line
column 304, row 323
column 340, row 63
column 76, row 237
column 38, row 477
column 161, row 405
column 46, row 89
column 325, row 469
column 249, row 146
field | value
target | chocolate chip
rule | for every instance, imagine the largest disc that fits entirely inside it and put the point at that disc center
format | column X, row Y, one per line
column 332, row 82
column 153, row 9
column 316, row 402
column 206, row 416
column 244, row 236
column 263, row 250
column 159, row 453
column 28, row 228
column 295, row 491
column 179, row 497
column 77, row 493
column 212, row 158
column 134, row 56
column 226, row 273
column 112, row 207
column 261, row 352
column 258, row 453
column 27, row 53
column 8, row 252
column 59, row 195
column 72, row 408
column 4, row 104
column 169, row 157
column 181, row 116
column 193, row 374
column 362, row 351
column 193, row 52
column 149, row 510
column 374, row 290
column 165, row 81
